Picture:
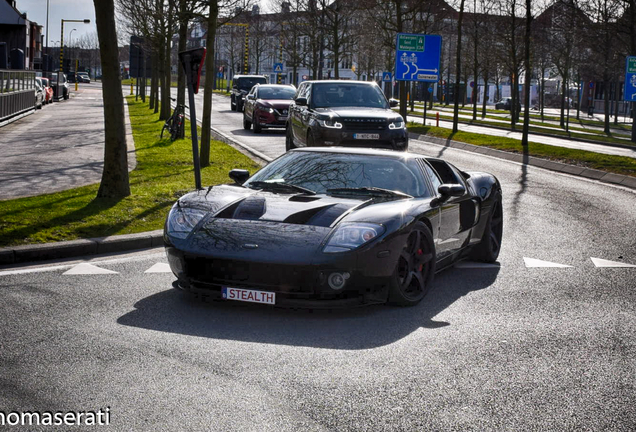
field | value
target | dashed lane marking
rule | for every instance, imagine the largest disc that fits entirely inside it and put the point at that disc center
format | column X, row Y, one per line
column 86, row 268
column 598, row 262
column 159, row 268
column 532, row 262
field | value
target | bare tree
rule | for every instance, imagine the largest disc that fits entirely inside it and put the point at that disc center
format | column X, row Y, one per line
column 114, row 182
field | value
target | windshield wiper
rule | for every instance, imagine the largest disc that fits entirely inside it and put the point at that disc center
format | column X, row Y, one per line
column 371, row 191
column 281, row 186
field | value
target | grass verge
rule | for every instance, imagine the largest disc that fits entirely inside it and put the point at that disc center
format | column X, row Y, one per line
column 163, row 173
column 615, row 164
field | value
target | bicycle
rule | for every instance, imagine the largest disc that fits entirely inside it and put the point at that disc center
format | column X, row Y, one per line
column 175, row 123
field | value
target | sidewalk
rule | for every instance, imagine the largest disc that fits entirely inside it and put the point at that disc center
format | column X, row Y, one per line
column 57, row 148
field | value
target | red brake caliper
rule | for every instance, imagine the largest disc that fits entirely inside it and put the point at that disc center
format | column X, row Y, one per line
column 419, row 252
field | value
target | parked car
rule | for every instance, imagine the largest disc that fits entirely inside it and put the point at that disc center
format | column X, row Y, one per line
column 46, row 84
column 71, row 77
column 241, row 86
column 506, row 104
column 83, row 77
column 344, row 113
column 267, row 106
column 65, row 90
column 333, row 227
column 39, row 93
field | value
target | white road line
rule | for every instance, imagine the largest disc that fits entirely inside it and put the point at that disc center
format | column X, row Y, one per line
column 86, row 268
column 598, row 262
column 159, row 268
column 532, row 262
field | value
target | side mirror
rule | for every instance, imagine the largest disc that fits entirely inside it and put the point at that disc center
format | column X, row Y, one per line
column 448, row 190
column 250, row 97
column 301, row 101
column 239, row 175
column 393, row 103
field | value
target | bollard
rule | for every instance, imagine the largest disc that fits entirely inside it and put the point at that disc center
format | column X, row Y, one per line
column 132, row 83
column 437, row 119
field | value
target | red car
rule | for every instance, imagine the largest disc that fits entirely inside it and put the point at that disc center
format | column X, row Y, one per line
column 267, row 106
column 48, row 90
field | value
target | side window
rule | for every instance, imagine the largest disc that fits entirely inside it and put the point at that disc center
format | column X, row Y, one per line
column 431, row 175
column 445, row 172
column 306, row 91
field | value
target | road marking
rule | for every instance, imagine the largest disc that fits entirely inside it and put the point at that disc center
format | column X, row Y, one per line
column 532, row 262
column 598, row 262
column 476, row 265
column 159, row 268
column 86, row 268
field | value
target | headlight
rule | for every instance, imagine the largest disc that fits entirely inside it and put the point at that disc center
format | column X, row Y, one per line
column 352, row 235
column 329, row 122
column 182, row 220
column 396, row 124
column 265, row 109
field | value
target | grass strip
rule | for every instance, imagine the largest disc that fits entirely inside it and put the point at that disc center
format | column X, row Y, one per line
column 164, row 172
column 610, row 163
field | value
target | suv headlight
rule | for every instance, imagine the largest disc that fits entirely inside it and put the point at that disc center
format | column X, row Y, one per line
column 182, row 220
column 329, row 122
column 351, row 235
column 265, row 109
column 396, row 124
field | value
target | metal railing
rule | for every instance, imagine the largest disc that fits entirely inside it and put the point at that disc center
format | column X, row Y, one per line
column 17, row 92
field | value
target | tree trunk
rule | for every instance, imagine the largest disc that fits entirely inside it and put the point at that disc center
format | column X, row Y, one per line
column 114, row 182
column 526, row 87
column 458, row 67
column 183, row 38
column 206, row 121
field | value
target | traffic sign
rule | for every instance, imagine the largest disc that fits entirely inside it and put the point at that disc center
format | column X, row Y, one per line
column 417, row 57
column 630, row 79
column 278, row 67
column 387, row 77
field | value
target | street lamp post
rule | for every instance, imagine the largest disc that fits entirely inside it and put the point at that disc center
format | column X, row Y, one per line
column 59, row 73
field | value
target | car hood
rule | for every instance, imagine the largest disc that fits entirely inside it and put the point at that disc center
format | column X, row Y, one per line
column 261, row 224
column 275, row 103
column 359, row 113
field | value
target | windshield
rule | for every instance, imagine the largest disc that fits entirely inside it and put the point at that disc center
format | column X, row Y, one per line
column 276, row 93
column 248, row 83
column 319, row 172
column 344, row 94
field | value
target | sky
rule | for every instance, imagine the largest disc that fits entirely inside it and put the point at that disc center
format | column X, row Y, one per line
column 59, row 10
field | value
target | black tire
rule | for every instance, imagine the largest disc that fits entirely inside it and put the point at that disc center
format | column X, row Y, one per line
column 289, row 140
column 247, row 125
column 257, row 126
column 232, row 104
column 488, row 248
column 175, row 131
column 239, row 106
column 415, row 269
column 166, row 126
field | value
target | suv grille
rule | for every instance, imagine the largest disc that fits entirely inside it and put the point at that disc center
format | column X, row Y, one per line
column 364, row 124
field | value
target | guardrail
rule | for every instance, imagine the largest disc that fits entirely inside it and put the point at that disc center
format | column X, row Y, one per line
column 17, row 92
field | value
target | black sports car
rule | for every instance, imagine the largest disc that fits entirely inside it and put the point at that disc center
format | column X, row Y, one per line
column 333, row 227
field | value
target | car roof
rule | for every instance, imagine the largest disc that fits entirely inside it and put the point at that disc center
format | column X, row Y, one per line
column 361, row 151
column 342, row 82
column 249, row 76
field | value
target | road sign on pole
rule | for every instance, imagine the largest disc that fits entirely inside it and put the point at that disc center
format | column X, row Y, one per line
column 417, row 57
column 630, row 79
column 278, row 67
column 387, row 77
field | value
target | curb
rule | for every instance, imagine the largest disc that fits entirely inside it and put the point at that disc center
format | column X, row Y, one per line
column 602, row 176
column 75, row 248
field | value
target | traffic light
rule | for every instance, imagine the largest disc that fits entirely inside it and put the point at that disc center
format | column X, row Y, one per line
column 192, row 62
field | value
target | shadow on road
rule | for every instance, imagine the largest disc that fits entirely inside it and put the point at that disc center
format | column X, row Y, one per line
column 349, row 329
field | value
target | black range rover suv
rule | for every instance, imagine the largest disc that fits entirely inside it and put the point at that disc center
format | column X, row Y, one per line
column 344, row 113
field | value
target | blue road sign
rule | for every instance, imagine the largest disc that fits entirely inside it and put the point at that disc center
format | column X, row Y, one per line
column 630, row 79
column 387, row 77
column 278, row 67
column 417, row 57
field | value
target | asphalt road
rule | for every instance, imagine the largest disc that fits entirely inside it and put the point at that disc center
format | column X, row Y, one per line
column 518, row 346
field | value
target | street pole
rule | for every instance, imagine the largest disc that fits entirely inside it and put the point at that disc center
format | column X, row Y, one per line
column 193, row 123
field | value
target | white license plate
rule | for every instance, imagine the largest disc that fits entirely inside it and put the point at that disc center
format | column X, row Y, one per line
column 282, row 118
column 252, row 296
column 366, row 136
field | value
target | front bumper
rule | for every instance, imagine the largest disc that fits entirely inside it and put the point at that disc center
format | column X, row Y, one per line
column 270, row 120
column 392, row 139
column 295, row 285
